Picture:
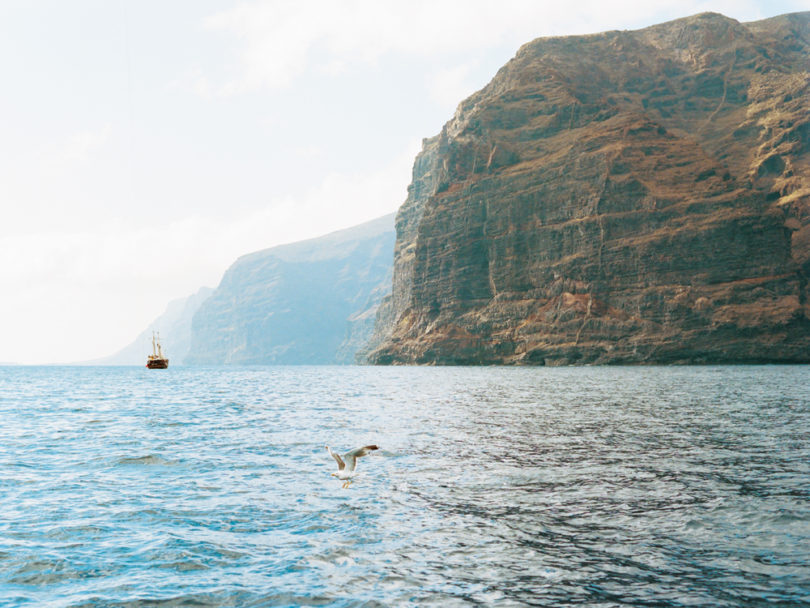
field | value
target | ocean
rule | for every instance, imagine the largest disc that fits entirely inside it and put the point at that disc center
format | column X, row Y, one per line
column 609, row 486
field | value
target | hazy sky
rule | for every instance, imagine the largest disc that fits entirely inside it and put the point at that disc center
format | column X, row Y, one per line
column 147, row 144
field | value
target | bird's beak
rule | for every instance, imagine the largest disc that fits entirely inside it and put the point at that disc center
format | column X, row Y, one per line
column 334, row 474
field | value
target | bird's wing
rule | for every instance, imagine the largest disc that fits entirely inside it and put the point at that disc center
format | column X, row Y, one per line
column 352, row 455
column 341, row 464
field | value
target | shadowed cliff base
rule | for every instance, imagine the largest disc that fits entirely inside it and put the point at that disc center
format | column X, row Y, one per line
column 624, row 197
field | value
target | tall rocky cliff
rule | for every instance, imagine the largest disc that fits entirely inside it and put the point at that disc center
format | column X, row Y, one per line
column 311, row 302
column 622, row 197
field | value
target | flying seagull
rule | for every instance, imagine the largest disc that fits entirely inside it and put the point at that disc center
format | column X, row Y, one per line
column 348, row 463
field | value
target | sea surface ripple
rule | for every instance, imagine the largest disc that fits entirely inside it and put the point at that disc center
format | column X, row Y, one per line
column 644, row 486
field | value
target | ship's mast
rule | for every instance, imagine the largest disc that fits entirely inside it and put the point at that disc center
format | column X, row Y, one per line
column 154, row 352
column 160, row 350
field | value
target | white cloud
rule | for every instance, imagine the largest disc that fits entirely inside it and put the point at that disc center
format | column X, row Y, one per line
column 280, row 40
column 448, row 86
column 83, row 144
column 340, row 200
column 54, row 182
column 310, row 151
column 78, row 148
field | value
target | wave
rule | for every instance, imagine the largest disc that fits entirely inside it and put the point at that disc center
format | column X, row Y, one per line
column 148, row 459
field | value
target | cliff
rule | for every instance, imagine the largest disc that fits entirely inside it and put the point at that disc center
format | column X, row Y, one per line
column 624, row 197
column 174, row 326
column 311, row 302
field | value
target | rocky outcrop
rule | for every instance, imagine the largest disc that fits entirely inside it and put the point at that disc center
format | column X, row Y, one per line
column 625, row 197
column 311, row 302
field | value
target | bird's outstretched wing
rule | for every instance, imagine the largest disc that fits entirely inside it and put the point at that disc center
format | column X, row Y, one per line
column 352, row 455
column 341, row 464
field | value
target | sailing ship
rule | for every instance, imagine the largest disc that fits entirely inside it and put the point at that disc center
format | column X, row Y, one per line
column 156, row 360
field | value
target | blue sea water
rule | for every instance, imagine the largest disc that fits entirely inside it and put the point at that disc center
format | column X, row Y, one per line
column 645, row 486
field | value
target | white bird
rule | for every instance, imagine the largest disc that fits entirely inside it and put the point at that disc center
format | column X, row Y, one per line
column 348, row 464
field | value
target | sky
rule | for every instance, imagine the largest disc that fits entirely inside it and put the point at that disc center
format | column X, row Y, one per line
column 145, row 145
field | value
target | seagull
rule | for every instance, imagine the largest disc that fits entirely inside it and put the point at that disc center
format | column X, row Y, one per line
column 348, row 463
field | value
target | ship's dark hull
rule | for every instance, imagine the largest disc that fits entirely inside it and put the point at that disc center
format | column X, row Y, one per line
column 157, row 363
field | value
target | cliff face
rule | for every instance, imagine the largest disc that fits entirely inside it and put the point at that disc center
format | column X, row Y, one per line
column 622, row 197
column 311, row 302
